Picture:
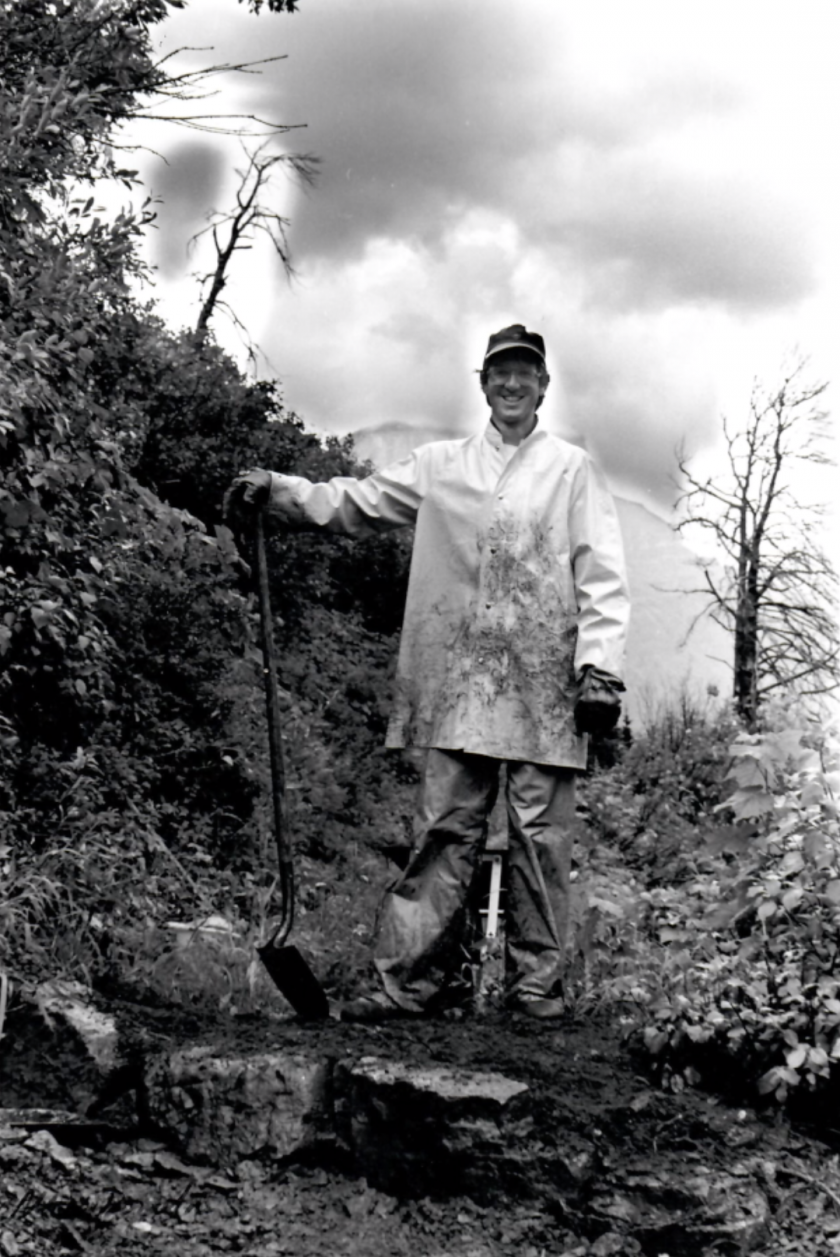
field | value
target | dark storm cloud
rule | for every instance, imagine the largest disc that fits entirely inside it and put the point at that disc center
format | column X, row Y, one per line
column 651, row 237
column 188, row 184
column 423, row 112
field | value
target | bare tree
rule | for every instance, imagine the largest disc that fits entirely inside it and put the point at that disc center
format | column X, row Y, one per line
column 235, row 229
column 775, row 590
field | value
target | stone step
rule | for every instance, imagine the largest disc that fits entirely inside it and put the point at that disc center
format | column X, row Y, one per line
column 433, row 1130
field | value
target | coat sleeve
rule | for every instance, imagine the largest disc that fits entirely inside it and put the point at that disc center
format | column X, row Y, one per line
column 358, row 508
column 597, row 556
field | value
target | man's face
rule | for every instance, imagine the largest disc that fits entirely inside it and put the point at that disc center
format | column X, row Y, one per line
column 513, row 389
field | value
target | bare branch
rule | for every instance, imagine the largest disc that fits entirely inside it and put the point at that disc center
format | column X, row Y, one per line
column 779, row 597
column 251, row 215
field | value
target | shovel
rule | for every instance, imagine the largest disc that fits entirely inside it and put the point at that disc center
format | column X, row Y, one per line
column 286, row 966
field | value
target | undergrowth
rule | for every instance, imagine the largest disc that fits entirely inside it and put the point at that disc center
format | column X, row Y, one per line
column 705, row 907
column 709, row 910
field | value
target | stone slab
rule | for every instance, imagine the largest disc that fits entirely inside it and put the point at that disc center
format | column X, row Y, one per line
column 219, row 1108
column 418, row 1131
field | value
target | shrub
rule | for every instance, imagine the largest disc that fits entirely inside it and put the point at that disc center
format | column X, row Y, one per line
column 748, row 963
column 657, row 802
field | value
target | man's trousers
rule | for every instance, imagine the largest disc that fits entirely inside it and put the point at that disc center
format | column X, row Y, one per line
column 422, row 924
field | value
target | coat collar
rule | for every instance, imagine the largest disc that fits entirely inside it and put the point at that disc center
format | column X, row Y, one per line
column 494, row 436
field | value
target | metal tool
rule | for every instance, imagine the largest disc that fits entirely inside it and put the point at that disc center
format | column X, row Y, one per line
column 286, row 966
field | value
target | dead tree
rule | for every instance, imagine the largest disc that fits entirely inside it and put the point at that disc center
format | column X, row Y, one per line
column 235, row 229
column 775, row 590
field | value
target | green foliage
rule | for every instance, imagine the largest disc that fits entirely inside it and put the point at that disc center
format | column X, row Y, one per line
column 735, row 969
column 273, row 6
column 657, row 802
column 133, row 764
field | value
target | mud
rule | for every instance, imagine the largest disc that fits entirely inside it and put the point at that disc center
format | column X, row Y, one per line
column 103, row 1191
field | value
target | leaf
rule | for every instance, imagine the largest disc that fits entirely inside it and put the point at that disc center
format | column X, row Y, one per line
column 832, row 891
column 817, row 1058
column 749, row 774
column 769, row 1081
column 791, row 864
column 813, row 792
column 796, row 1058
column 792, row 898
column 785, row 745
column 813, row 845
column 749, row 803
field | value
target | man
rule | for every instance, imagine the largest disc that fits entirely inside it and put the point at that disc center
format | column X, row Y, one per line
column 512, row 643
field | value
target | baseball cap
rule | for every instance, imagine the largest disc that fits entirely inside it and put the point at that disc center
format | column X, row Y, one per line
column 515, row 337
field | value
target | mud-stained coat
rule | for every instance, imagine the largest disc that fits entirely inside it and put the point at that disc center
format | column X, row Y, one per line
column 517, row 581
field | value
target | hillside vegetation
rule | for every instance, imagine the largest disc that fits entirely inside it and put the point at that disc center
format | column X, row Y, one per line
column 132, row 746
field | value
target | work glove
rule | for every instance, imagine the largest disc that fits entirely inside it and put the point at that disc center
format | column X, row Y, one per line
column 248, row 495
column 597, row 703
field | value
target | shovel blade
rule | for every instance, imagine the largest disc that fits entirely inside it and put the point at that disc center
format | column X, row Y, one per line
column 295, row 981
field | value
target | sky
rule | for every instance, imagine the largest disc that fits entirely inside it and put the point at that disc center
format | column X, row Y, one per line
column 653, row 186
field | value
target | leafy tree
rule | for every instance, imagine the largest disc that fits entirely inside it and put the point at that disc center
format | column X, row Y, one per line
column 131, row 730
column 777, row 591
column 75, row 525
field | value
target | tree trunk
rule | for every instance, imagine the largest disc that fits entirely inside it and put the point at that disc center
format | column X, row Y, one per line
column 745, row 679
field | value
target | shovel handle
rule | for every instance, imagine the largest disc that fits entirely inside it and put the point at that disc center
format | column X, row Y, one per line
column 275, row 745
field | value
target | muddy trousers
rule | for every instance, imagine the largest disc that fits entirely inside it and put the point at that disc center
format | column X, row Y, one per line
column 420, row 936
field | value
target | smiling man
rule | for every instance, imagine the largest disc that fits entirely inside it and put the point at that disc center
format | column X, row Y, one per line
column 511, row 651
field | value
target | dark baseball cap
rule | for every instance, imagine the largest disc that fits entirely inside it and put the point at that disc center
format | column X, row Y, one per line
column 515, row 337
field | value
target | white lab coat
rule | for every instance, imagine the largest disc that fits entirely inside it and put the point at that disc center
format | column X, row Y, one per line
column 517, row 581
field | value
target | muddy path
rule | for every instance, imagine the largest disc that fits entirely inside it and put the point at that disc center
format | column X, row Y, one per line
column 90, row 1189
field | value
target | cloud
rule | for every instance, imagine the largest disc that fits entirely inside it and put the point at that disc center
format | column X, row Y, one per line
column 599, row 145
column 422, row 112
column 188, row 184
column 651, row 236
column 619, row 176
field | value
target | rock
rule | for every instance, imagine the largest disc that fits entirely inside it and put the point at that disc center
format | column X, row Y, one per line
column 70, row 1004
column 690, row 1212
column 416, row 1131
column 60, row 1040
column 614, row 1244
column 68, row 1128
column 430, row 1131
column 220, row 1108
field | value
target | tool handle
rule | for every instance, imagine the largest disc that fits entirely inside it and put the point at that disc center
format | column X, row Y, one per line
column 275, row 745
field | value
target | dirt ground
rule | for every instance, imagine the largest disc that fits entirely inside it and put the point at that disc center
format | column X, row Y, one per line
column 88, row 1189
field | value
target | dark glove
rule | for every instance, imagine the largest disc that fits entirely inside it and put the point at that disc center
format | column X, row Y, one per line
column 248, row 494
column 597, row 704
